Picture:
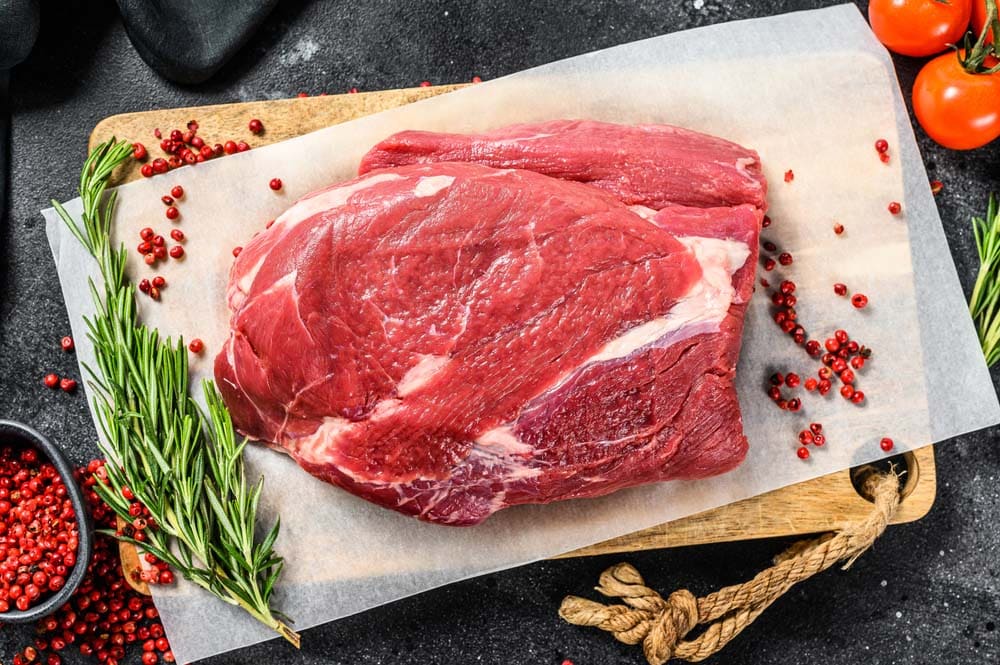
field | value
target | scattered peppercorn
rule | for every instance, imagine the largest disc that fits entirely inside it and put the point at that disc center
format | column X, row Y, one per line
column 177, row 235
column 840, row 289
column 881, row 145
column 895, row 208
column 886, row 444
column 859, row 300
column 255, row 126
column 139, row 151
column 229, row 147
column 789, row 175
column 67, row 385
column 167, row 201
column 105, row 614
column 802, row 452
column 177, row 192
column 769, row 264
column 785, row 259
column 237, row 250
column 275, row 184
column 838, row 228
column 196, row 345
column 51, row 380
column 936, row 187
column 173, row 213
column 176, row 252
column 67, row 343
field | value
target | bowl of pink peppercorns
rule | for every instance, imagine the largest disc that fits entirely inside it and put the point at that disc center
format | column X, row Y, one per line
column 45, row 530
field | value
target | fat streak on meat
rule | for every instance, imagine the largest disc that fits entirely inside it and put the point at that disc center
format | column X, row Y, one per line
column 447, row 338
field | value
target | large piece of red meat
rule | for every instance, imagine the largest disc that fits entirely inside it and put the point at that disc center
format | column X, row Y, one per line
column 447, row 338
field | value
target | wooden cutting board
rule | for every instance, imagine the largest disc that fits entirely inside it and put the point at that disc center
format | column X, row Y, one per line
column 818, row 505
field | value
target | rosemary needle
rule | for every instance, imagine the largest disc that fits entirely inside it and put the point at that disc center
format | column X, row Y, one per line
column 183, row 464
column 984, row 304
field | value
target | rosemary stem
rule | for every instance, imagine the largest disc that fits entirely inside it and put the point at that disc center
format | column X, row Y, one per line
column 185, row 466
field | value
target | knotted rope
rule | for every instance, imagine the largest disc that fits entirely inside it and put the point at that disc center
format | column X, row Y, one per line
column 662, row 625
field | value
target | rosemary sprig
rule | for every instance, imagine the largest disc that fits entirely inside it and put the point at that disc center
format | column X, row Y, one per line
column 184, row 465
column 984, row 304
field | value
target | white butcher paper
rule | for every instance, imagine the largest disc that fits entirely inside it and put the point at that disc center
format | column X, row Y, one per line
column 811, row 91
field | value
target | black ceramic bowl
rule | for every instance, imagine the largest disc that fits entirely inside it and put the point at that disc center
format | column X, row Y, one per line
column 16, row 434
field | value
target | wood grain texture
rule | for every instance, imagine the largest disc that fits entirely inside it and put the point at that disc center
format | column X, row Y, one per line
column 818, row 505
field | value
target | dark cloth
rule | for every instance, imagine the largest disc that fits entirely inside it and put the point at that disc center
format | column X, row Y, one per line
column 18, row 30
column 189, row 40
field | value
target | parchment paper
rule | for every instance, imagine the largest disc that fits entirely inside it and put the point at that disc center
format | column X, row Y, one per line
column 811, row 91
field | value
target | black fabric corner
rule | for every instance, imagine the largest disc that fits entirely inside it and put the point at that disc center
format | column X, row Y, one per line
column 187, row 41
column 18, row 30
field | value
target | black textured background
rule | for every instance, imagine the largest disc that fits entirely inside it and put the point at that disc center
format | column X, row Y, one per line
column 927, row 593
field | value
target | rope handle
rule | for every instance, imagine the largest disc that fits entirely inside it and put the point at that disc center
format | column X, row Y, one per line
column 663, row 625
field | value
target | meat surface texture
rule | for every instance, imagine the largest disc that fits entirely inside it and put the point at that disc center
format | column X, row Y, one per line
column 446, row 338
column 651, row 165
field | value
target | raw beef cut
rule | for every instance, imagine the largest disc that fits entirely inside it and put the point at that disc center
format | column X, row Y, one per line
column 449, row 339
column 651, row 165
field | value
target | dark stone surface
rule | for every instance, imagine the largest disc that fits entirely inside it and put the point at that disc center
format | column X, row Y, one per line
column 927, row 593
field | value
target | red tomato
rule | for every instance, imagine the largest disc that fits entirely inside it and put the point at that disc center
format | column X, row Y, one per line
column 979, row 19
column 957, row 109
column 919, row 27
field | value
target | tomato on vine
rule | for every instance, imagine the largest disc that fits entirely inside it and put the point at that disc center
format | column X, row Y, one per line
column 979, row 18
column 956, row 97
column 919, row 27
